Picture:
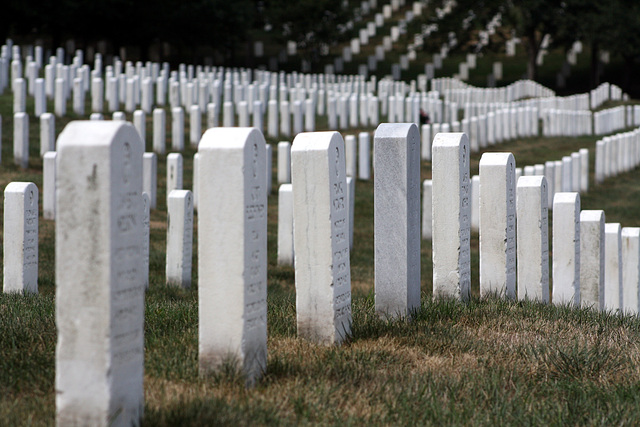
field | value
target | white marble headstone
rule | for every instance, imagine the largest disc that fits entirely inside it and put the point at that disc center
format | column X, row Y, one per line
column 533, row 238
column 397, row 219
column 20, row 240
column 232, row 251
column 321, row 239
column 451, row 216
column 179, row 238
column 99, row 278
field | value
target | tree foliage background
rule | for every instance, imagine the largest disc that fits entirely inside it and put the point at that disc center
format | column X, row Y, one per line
column 221, row 24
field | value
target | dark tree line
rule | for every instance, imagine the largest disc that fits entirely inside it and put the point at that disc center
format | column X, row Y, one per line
column 603, row 25
column 221, row 24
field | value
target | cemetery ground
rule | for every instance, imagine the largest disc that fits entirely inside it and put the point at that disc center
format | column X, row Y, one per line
column 487, row 362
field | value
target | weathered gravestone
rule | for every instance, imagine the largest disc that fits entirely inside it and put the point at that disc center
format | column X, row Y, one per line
column 351, row 148
column 566, row 249
column 150, row 177
column 613, row 267
column 177, row 129
column 321, row 239
column 284, row 162
column 592, row 250
column 232, row 251
column 631, row 269
column 533, row 238
column 140, row 123
column 179, row 238
column 364, row 160
column 195, row 125
column 99, row 277
column 47, row 133
column 285, row 225
column 159, row 130
column 21, row 140
column 498, row 225
column 49, row 185
column 20, row 240
column 426, row 209
column 146, row 230
column 397, row 219
column 451, row 216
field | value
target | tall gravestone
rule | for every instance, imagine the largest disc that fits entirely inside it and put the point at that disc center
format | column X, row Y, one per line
column 177, row 129
column 451, row 216
column 232, row 251
column 146, row 233
column 321, row 239
column 269, row 167
column 285, row 225
column 140, row 123
column 592, row 250
column 566, row 249
column 631, row 269
column 20, row 240
column 159, row 131
column 179, row 238
column 47, row 133
column 498, row 225
column 364, row 161
column 397, row 219
column 284, row 162
column 351, row 147
column 21, row 140
column 49, row 185
column 613, row 267
column 99, row 278
column 195, row 125
column 427, row 192
column 194, row 182
column 150, row 177
column 532, row 238
column 351, row 193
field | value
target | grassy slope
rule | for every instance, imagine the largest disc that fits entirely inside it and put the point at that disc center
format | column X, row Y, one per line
column 488, row 362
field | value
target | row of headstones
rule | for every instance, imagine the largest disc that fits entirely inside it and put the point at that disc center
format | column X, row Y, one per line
column 20, row 244
column 352, row 111
column 593, row 99
column 617, row 154
column 465, row 66
column 454, row 90
column 212, row 111
column 609, row 120
column 567, row 123
column 298, row 108
column 485, row 34
column 578, row 123
column 174, row 160
column 232, row 284
column 579, row 274
column 471, row 109
column 179, row 257
column 137, row 80
column 233, row 160
column 571, row 59
column 571, row 174
column 538, row 96
column 47, row 131
column 396, row 31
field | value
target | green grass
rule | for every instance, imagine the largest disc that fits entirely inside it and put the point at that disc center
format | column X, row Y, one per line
column 488, row 362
